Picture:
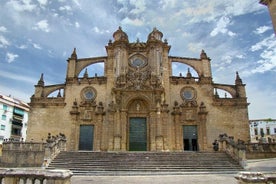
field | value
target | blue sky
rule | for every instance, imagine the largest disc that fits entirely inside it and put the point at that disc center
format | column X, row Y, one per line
column 37, row 36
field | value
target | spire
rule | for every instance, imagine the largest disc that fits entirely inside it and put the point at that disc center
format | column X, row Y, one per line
column 74, row 54
column 59, row 94
column 203, row 55
column 85, row 75
column 41, row 81
column 238, row 80
column 216, row 93
column 189, row 75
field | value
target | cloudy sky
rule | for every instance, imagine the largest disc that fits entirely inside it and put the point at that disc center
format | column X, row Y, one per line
column 37, row 36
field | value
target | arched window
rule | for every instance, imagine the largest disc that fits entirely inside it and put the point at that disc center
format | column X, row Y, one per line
column 220, row 93
column 56, row 93
column 180, row 69
column 93, row 70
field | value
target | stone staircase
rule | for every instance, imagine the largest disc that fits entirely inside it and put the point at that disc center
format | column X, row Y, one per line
column 144, row 163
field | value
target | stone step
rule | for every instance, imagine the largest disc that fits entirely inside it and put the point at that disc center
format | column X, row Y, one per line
column 146, row 163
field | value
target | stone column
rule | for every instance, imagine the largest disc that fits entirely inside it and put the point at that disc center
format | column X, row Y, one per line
column 203, row 118
column 176, row 113
column 117, row 133
column 166, row 128
column 159, row 136
column 75, row 116
column 152, row 131
column 124, row 130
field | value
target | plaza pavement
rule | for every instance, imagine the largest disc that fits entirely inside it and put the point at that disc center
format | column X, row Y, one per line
column 263, row 165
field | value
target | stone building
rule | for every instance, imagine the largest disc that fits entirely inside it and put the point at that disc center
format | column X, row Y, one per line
column 138, row 105
column 14, row 119
column 263, row 130
column 271, row 5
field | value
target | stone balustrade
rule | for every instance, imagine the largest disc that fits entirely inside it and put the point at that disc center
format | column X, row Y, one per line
column 260, row 150
column 235, row 149
column 34, row 176
column 256, row 178
column 32, row 154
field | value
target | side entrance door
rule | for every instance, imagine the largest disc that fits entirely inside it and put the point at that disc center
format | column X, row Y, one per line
column 137, row 134
column 86, row 137
column 190, row 138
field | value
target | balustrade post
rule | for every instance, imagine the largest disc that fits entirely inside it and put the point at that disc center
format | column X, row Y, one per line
column 11, row 180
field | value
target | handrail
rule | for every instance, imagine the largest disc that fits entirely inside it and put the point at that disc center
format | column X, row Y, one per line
column 234, row 149
column 25, row 175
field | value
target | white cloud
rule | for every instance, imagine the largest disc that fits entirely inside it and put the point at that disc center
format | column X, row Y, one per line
column 221, row 27
column 37, row 46
column 97, row 30
column 140, row 6
column 17, row 77
column 23, row 5
column 77, row 2
column 268, row 43
column 3, row 42
column 268, row 54
column 42, row 25
column 167, row 3
column 42, row 2
column 3, row 29
column 77, row 25
column 65, row 8
column 133, row 22
column 23, row 46
column 262, row 29
column 195, row 47
column 10, row 57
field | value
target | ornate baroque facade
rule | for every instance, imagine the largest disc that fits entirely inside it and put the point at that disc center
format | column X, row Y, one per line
column 138, row 105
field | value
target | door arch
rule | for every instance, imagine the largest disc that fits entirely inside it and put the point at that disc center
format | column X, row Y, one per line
column 138, row 125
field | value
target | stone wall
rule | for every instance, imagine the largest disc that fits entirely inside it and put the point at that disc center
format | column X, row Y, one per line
column 23, row 154
column 32, row 154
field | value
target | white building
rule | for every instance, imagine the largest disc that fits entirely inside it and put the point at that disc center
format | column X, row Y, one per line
column 13, row 119
column 263, row 130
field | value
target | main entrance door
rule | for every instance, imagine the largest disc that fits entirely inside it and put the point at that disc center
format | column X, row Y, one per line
column 137, row 134
column 86, row 137
column 190, row 138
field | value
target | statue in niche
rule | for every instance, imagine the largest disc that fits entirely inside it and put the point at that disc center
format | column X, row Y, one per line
column 189, row 115
column 138, row 106
column 87, row 115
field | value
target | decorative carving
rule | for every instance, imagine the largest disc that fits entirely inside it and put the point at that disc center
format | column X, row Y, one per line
column 112, row 107
column 189, row 104
column 138, row 79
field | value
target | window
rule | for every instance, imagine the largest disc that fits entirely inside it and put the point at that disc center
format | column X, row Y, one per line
column 3, row 127
column 255, row 131
column 275, row 130
column 4, row 117
column 267, row 131
column 262, row 132
column 5, row 107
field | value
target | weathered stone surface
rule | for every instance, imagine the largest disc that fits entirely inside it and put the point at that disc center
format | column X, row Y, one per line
column 138, row 82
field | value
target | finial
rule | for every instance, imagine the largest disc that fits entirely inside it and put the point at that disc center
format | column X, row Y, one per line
column 41, row 80
column 74, row 54
column 216, row 93
column 238, row 80
column 189, row 75
column 203, row 55
column 85, row 75
column 59, row 94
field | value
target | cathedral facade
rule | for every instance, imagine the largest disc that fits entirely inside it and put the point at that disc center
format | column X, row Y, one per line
column 138, row 105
